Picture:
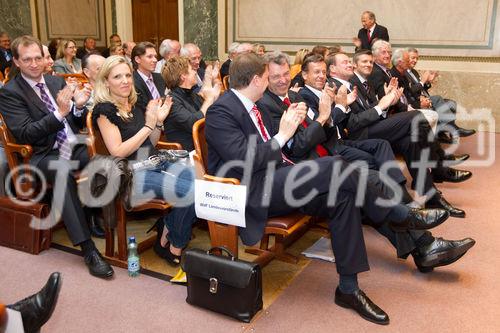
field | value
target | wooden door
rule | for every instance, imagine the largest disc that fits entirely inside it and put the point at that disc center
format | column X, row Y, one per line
column 155, row 20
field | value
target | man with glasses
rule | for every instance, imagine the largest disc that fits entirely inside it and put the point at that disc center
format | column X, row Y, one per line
column 44, row 112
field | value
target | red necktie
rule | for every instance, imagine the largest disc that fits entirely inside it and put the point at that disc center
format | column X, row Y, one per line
column 369, row 36
column 263, row 132
column 320, row 150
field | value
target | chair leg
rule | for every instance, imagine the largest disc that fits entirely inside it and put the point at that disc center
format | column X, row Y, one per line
column 264, row 242
column 121, row 230
column 224, row 235
column 110, row 242
column 279, row 250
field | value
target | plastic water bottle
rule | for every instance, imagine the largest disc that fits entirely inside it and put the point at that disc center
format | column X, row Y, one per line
column 133, row 258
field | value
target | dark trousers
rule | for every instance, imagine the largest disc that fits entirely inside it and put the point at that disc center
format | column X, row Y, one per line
column 72, row 213
column 398, row 130
column 344, row 217
column 375, row 152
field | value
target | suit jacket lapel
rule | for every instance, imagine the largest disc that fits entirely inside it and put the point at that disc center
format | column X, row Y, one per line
column 30, row 94
column 53, row 88
column 142, row 85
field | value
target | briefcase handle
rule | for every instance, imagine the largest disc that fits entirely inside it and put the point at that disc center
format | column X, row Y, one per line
column 222, row 249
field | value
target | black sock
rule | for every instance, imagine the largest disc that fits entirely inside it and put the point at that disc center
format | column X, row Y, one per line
column 348, row 283
column 406, row 199
column 398, row 213
column 424, row 240
column 87, row 246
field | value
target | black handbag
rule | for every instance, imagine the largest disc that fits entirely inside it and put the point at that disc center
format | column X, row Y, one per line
column 223, row 284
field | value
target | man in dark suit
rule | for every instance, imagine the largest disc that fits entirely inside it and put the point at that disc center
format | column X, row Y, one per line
column 446, row 108
column 310, row 142
column 370, row 32
column 148, row 84
column 193, row 52
column 5, row 52
column 231, row 53
column 380, row 78
column 236, row 130
column 45, row 113
column 397, row 129
column 88, row 46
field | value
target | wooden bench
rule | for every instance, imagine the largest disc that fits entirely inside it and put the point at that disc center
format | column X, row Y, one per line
column 285, row 229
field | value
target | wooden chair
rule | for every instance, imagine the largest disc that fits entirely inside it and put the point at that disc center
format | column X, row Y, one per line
column 285, row 229
column 225, row 82
column 96, row 146
column 81, row 78
column 16, row 155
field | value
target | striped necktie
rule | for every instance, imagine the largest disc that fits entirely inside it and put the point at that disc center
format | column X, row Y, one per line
column 61, row 137
column 152, row 88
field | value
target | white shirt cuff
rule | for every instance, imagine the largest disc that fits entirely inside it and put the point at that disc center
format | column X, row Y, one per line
column 76, row 111
column 341, row 107
column 280, row 139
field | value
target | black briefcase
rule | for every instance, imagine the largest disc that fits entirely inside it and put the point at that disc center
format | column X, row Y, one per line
column 223, row 284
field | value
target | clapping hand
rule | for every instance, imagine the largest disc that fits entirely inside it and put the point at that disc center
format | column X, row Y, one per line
column 64, row 100
column 291, row 119
column 356, row 41
column 393, row 84
column 163, row 108
column 81, row 96
column 330, row 91
column 352, row 96
column 341, row 97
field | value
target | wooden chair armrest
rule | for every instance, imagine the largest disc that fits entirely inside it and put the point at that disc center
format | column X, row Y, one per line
column 24, row 150
column 233, row 181
column 168, row 145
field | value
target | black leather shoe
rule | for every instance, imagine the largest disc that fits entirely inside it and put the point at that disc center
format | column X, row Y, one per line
column 462, row 132
column 97, row 265
column 450, row 160
column 421, row 219
column 95, row 226
column 438, row 201
column 451, row 175
column 360, row 303
column 441, row 252
column 37, row 309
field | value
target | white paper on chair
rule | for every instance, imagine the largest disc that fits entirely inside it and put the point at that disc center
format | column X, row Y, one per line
column 223, row 203
column 322, row 249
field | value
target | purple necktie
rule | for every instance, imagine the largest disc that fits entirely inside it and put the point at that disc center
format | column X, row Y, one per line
column 61, row 138
column 152, row 88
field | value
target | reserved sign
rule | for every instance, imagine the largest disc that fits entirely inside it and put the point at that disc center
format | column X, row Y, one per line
column 223, row 203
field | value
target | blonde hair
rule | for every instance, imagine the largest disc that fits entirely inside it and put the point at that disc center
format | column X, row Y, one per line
column 62, row 45
column 300, row 55
column 101, row 92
